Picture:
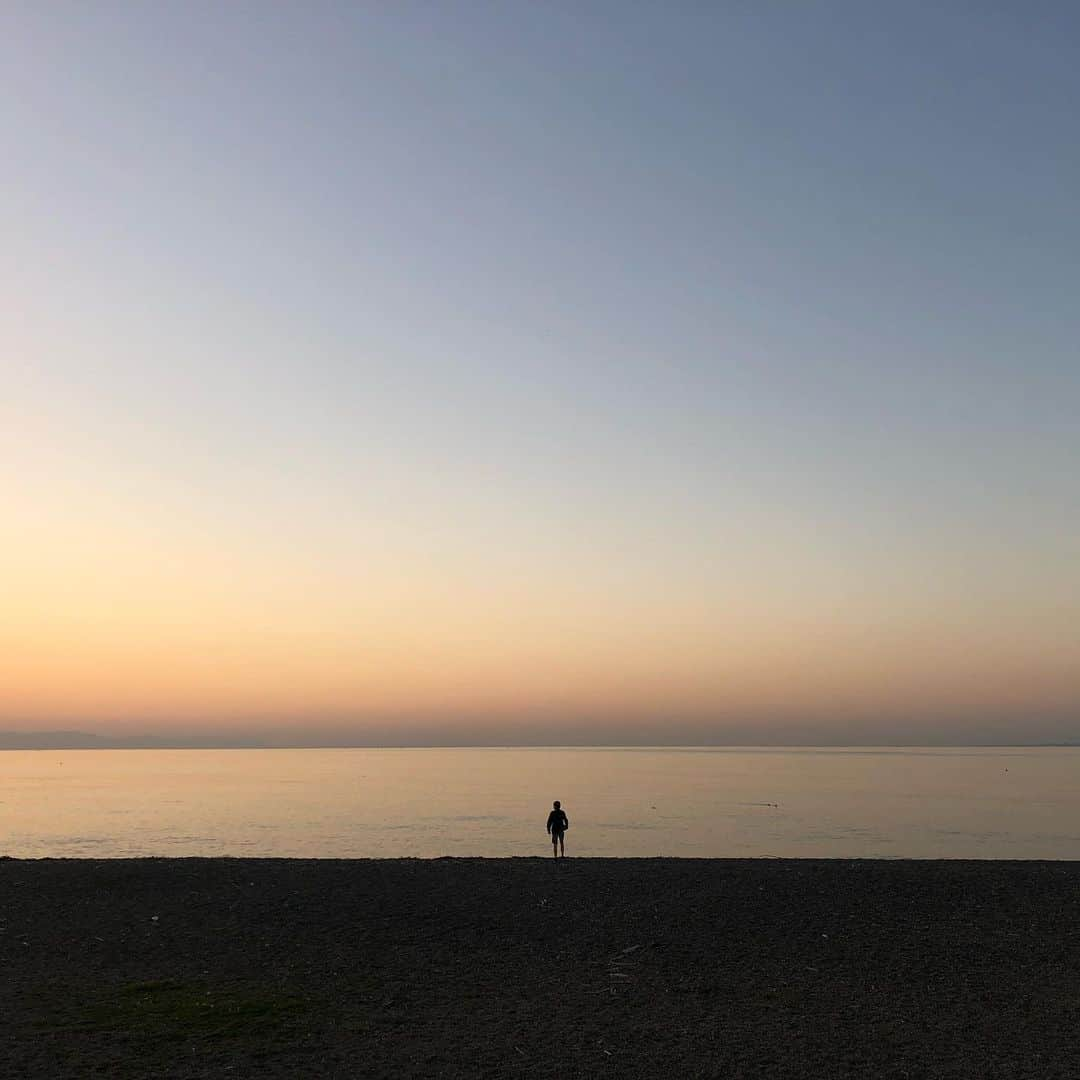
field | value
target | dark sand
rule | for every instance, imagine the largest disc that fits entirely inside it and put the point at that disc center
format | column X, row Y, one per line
column 523, row 967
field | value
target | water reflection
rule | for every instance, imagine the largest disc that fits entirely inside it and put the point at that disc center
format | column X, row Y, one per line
column 849, row 802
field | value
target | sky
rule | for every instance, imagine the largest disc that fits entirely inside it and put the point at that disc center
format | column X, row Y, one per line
column 541, row 373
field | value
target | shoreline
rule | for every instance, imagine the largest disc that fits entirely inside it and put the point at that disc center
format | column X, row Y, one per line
column 884, row 860
column 524, row 966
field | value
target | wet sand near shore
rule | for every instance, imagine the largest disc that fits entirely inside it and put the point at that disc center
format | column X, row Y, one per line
column 220, row 968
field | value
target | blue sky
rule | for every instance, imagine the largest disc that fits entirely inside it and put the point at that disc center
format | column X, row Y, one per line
column 706, row 302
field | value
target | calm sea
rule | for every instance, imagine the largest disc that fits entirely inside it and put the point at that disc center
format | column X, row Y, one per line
column 691, row 801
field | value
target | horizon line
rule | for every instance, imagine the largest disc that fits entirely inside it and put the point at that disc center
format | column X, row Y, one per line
column 71, row 740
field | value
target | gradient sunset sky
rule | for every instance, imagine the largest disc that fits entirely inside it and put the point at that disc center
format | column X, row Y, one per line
column 519, row 372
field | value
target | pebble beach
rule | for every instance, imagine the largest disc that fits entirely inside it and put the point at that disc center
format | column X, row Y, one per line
column 226, row 968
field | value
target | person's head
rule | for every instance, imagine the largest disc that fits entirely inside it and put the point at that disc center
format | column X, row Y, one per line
column 557, row 804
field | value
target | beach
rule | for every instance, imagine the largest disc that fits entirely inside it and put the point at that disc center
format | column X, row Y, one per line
column 537, row 968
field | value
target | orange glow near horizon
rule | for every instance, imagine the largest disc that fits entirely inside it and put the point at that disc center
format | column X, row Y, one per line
column 117, row 621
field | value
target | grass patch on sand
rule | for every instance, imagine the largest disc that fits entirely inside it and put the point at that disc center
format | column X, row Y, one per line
column 171, row 1009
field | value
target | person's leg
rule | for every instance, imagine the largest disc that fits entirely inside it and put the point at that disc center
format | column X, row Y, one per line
column 555, row 845
column 562, row 844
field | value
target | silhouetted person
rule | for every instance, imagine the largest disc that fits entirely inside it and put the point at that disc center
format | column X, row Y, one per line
column 557, row 824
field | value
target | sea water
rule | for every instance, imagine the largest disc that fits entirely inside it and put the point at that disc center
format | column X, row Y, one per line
column 985, row 803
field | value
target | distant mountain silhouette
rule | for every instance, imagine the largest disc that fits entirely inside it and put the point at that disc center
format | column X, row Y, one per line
column 82, row 740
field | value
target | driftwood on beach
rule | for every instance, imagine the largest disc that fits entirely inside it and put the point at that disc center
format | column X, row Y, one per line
column 536, row 968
